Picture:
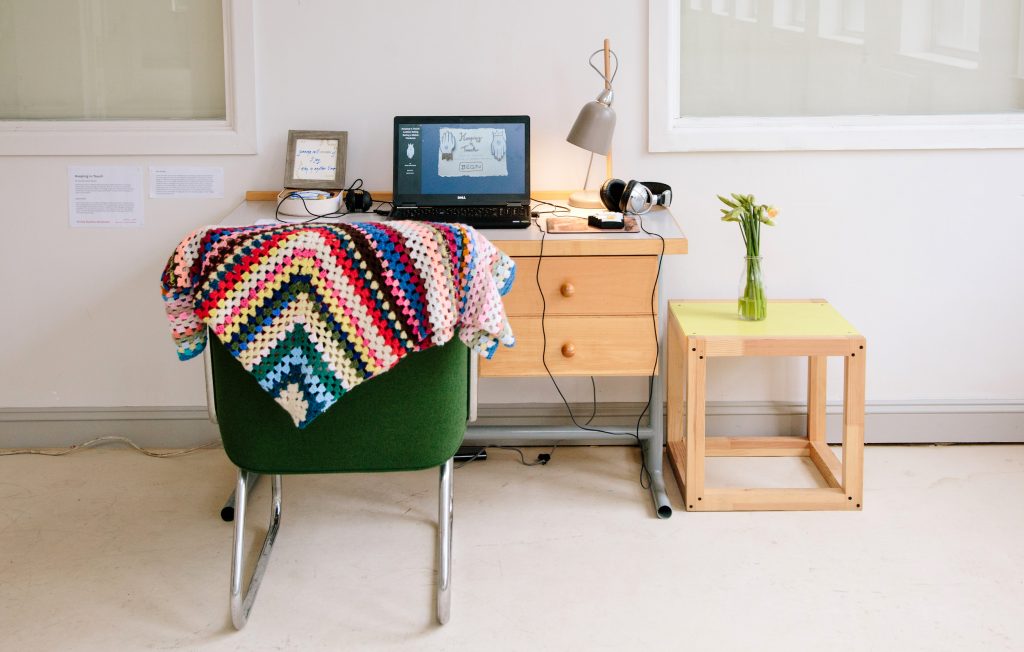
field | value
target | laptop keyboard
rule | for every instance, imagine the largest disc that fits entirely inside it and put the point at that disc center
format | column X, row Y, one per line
column 481, row 217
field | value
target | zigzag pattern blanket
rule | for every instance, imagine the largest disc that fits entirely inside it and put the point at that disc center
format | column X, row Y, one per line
column 313, row 310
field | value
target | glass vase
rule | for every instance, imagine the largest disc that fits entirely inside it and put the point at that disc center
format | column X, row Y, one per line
column 753, row 303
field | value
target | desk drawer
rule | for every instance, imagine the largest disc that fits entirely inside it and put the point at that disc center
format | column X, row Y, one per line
column 578, row 346
column 584, row 285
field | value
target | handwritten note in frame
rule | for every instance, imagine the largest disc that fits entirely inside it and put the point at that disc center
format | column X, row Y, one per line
column 316, row 159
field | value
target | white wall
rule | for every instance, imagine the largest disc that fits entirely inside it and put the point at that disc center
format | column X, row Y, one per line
column 919, row 250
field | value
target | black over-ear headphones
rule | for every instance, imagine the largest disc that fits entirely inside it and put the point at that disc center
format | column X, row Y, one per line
column 634, row 197
column 357, row 200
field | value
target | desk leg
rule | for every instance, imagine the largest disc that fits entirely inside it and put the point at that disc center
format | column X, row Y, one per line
column 654, row 447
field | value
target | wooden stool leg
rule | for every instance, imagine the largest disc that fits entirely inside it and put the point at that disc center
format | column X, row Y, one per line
column 853, row 424
column 674, row 373
column 821, row 455
column 816, row 375
column 696, row 394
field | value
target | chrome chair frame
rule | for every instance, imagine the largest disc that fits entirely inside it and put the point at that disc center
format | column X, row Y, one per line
column 235, row 508
column 241, row 603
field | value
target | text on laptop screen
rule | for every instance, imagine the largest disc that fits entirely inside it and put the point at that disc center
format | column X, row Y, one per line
column 460, row 160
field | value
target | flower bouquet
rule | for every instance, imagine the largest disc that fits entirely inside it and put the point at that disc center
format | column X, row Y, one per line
column 742, row 209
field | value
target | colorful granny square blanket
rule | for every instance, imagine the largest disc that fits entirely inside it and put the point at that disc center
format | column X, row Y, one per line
column 313, row 310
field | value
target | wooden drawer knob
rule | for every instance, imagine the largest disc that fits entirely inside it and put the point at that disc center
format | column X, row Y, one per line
column 568, row 349
column 567, row 289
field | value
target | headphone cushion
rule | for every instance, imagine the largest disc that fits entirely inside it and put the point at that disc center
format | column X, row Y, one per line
column 358, row 201
column 635, row 198
column 611, row 193
column 627, row 191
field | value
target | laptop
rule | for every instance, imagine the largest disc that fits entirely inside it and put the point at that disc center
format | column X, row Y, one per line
column 473, row 170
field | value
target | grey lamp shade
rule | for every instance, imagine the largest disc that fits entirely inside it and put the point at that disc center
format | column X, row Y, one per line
column 593, row 128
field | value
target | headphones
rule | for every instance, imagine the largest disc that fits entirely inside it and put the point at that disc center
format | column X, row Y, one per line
column 634, row 197
column 357, row 200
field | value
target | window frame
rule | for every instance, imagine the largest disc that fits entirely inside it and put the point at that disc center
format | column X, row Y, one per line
column 667, row 132
column 236, row 134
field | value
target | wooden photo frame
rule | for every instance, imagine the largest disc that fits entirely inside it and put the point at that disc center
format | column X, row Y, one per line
column 316, row 159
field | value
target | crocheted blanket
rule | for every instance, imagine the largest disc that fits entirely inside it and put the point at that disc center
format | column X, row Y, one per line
column 313, row 310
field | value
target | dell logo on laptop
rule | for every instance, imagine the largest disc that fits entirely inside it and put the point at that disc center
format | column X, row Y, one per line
column 460, row 196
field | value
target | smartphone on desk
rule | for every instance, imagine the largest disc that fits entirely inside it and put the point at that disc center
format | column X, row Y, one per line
column 607, row 220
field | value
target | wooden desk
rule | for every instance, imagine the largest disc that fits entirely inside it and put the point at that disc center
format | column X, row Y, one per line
column 600, row 319
column 597, row 300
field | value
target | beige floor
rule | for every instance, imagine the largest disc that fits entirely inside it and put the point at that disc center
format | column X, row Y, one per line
column 110, row 550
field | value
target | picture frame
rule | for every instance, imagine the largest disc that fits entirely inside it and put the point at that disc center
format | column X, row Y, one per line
column 315, row 160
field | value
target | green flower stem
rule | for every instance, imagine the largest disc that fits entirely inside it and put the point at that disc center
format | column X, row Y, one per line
column 753, row 304
column 743, row 209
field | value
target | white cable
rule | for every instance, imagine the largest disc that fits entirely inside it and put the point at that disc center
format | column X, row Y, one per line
column 103, row 440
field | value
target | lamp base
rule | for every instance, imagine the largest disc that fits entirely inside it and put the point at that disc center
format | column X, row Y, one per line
column 586, row 199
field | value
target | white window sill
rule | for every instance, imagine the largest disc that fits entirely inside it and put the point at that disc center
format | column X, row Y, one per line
column 943, row 59
column 143, row 137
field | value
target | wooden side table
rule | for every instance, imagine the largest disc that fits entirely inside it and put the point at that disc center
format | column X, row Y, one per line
column 699, row 330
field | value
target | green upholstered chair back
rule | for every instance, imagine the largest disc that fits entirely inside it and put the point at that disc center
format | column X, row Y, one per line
column 411, row 417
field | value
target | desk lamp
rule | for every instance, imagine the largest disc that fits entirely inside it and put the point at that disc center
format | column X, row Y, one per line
column 593, row 130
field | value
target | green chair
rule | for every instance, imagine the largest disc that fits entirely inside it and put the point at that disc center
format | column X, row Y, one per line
column 412, row 417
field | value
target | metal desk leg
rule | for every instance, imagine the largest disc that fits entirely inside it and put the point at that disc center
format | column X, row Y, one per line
column 653, row 446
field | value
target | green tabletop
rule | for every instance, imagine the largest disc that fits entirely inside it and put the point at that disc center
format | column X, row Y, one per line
column 785, row 319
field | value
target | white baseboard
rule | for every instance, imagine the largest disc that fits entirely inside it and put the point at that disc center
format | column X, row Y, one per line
column 149, row 427
column 886, row 422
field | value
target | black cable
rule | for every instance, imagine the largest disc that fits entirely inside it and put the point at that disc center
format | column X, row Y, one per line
column 657, row 352
column 593, row 395
column 544, row 350
column 315, row 217
column 541, row 461
column 296, row 194
column 558, row 209
column 480, row 453
column 657, row 344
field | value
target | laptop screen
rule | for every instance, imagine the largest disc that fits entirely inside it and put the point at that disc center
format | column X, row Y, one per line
column 449, row 161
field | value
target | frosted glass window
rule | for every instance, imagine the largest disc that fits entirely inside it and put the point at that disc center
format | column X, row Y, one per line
column 955, row 24
column 746, row 10
column 852, row 12
column 842, row 20
column 790, row 14
column 853, row 57
column 112, row 60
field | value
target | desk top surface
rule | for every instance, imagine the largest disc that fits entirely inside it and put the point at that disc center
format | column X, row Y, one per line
column 811, row 318
column 527, row 242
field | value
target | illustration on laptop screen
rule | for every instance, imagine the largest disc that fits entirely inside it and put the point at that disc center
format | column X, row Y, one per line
column 464, row 160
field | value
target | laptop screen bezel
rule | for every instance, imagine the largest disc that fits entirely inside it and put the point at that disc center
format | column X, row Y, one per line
column 410, row 199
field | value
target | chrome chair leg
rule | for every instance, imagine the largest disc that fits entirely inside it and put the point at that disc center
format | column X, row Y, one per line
column 444, row 543
column 241, row 604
